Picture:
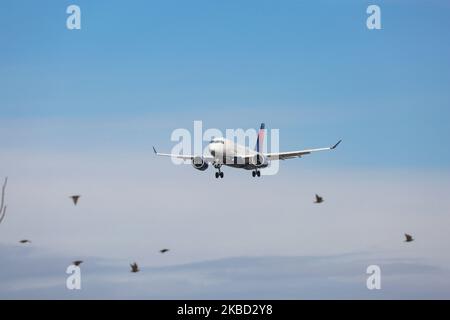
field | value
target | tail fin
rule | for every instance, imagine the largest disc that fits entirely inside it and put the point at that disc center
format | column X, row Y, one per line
column 260, row 141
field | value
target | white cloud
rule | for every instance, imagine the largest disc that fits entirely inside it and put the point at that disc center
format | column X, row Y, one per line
column 132, row 206
column 36, row 273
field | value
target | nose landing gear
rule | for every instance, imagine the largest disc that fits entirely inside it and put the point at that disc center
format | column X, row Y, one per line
column 218, row 173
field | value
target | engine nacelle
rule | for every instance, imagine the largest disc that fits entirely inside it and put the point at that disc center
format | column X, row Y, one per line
column 199, row 164
column 258, row 160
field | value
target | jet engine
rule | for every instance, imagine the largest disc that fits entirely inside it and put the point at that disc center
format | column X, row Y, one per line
column 258, row 160
column 199, row 163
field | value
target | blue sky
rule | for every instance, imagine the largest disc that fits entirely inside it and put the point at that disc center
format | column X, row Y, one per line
column 80, row 110
column 311, row 69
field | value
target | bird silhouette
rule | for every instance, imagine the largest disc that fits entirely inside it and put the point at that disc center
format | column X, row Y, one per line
column 134, row 267
column 77, row 262
column 319, row 199
column 163, row 250
column 408, row 237
column 25, row 241
column 75, row 199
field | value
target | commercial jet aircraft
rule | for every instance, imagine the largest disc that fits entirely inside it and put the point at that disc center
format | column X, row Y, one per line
column 226, row 152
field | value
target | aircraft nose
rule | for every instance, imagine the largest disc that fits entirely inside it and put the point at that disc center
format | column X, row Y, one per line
column 212, row 148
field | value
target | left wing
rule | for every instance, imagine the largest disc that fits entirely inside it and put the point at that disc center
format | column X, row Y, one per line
column 297, row 154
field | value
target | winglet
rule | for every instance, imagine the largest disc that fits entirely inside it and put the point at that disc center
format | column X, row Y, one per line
column 334, row 147
column 154, row 150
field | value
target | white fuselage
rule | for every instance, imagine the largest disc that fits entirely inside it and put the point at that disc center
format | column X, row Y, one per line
column 226, row 152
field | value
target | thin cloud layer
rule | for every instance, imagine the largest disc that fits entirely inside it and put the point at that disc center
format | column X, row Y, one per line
column 32, row 274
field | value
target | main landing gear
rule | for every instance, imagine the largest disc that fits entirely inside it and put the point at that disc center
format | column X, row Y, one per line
column 256, row 172
column 218, row 173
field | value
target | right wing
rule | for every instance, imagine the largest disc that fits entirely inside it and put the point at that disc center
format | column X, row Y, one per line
column 182, row 156
column 297, row 154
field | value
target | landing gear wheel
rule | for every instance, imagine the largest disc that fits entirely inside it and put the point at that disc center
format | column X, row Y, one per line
column 253, row 174
column 258, row 173
column 221, row 174
column 217, row 175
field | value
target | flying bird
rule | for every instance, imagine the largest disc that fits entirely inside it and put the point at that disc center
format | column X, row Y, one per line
column 134, row 267
column 75, row 199
column 25, row 241
column 163, row 250
column 319, row 199
column 77, row 262
column 408, row 237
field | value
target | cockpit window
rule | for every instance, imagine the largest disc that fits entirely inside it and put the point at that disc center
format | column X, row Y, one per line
column 217, row 141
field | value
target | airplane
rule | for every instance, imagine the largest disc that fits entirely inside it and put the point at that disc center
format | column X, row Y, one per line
column 226, row 152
